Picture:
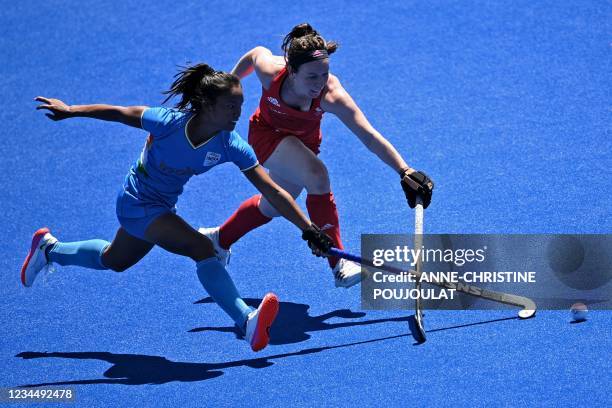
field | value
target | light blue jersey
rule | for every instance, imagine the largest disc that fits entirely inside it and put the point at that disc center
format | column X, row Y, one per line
column 169, row 159
column 150, row 192
column 167, row 162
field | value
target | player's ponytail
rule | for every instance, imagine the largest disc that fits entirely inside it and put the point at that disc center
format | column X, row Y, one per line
column 302, row 43
column 300, row 30
column 199, row 86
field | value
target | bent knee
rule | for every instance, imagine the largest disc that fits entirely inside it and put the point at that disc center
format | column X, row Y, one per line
column 111, row 263
column 317, row 178
column 115, row 265
column 200, row 249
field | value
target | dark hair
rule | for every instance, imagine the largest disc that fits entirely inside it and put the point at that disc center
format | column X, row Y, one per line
column 199, row 86
column 302, row 39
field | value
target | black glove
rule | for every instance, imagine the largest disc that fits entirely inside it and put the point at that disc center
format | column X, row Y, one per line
column 318, row 241
column 417, row 184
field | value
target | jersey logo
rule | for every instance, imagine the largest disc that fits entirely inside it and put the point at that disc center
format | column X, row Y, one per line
column 188, row 171
column 212, row 158
column 273, row 101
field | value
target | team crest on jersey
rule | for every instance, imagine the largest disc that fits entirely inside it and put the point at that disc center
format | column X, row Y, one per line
column 211, row 158
column 273, row 101
column 318, row 111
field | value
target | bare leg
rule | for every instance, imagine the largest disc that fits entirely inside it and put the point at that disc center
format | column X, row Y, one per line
column 294, row 167
column 125, row 251
column 299, row 166
column 294, row 189
column 122, row 253
column 172, row 233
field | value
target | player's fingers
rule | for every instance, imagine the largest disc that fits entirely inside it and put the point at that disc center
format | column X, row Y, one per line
column 51, row 116
column 43, row 107
column 411, row 183
column 42, row 99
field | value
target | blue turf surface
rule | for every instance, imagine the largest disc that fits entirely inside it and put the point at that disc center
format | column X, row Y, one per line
column 505, row 104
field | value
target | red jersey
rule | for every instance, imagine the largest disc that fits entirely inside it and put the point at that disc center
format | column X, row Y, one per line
column 274, row 120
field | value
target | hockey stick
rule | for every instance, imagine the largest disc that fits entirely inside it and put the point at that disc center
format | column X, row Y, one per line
column 419, row 329
column 528, row 306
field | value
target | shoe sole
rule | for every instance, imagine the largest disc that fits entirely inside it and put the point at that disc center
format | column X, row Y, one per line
column 36, row 238
column 347, row 283
column 267, row 313
column 350, row 281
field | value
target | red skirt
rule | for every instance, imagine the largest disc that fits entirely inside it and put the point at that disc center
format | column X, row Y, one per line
column 264, row 139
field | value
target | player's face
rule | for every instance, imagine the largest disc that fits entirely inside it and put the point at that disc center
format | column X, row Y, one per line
column 311, row 78
column 227, row 109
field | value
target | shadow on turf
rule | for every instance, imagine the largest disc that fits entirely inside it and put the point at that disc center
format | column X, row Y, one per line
column 417, row 336
column 138, row 369
column 293, row 323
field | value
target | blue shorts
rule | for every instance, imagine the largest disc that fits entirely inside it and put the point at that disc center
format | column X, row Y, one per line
column 135, row 214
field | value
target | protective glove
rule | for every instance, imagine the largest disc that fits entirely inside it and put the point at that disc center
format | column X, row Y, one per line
column 318, row 241
column 416, row 184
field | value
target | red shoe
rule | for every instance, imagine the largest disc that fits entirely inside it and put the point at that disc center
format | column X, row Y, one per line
column 36, row 259
column 259, row 322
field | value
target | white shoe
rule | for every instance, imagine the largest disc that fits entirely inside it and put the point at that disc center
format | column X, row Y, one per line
column 36, row 259
column 223, row 255
column 259, row 322
column 347, row 273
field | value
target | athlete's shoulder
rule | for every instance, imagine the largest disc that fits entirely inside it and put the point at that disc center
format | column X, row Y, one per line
column 165, row 114
column 333, row 83
column 233, row 138
column 260, row 54
column 240, row 152
column 268, row 66
column 334, row 91
column 160, row 119
column 265, row 61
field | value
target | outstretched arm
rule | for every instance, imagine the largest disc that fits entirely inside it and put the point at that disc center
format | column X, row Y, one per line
column 288, row 208
column 339, row 102
column 128, row 115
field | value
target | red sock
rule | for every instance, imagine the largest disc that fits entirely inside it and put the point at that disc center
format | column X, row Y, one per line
column 246, row 218
column 322, row 211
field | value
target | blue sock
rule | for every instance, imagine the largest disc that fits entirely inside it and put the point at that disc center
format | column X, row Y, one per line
column 82, row 253
column 221, row 288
